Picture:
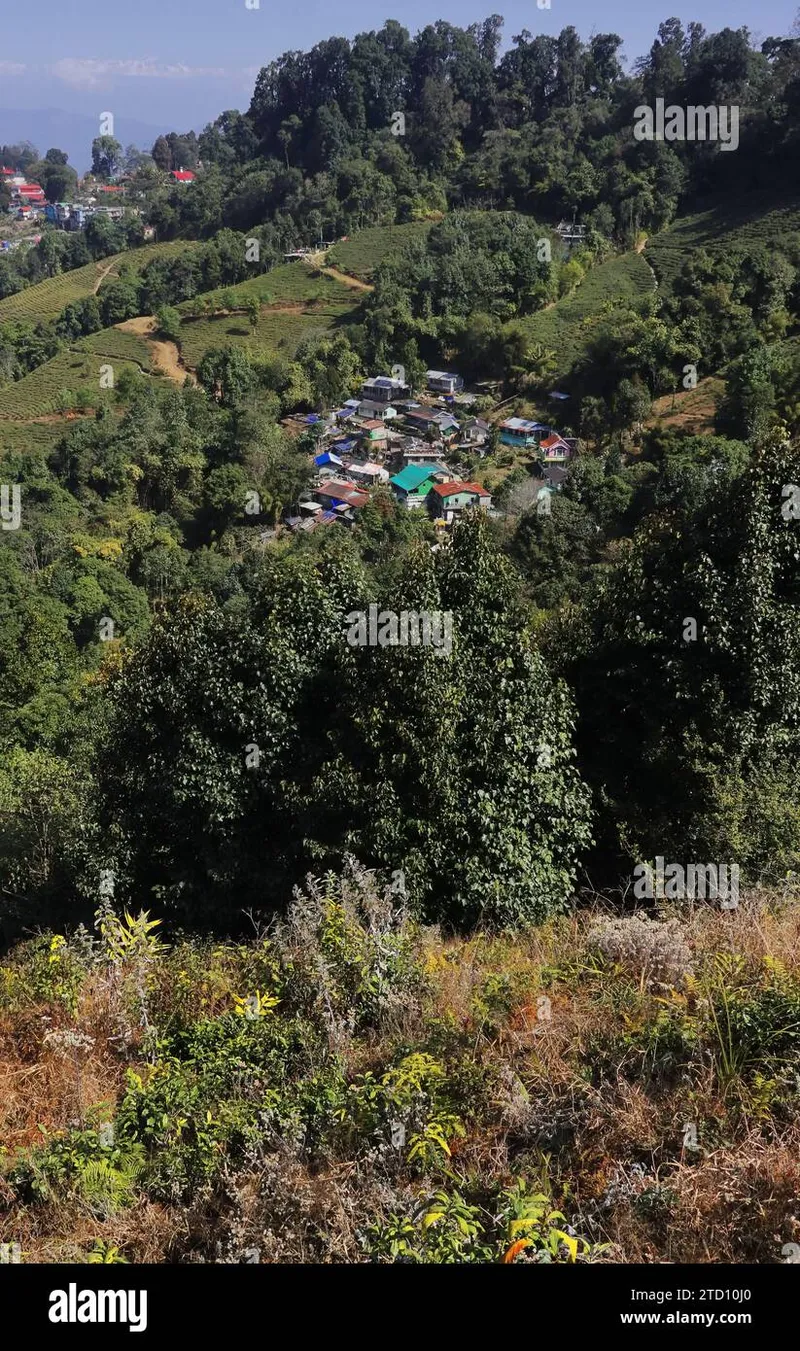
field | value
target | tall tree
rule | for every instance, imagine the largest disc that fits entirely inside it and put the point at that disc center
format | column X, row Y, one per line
column 266, row 740
column 162, row 153
column 106, row 156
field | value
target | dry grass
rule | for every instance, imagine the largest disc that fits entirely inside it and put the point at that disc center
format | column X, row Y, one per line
column 586, row 1077
column 691, row 411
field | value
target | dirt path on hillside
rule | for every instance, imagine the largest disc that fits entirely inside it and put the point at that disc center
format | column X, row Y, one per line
column 103, row 276
column 345, row 279
column 317, row 262
column 44, row 417
column 166, row 355
column 167, row 358
column 143, row 326
column 640, row 248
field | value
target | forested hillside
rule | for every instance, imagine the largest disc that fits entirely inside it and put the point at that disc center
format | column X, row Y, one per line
column 337, row 949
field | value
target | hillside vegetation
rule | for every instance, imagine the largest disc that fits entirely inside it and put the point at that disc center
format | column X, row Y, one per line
column 350, row 1087
column 360, row 255
column 568, row 325
column 754, row 222
column 71, row 371
column 295, row 301
column 47, row 299
column 119, row 344
column 279, row 330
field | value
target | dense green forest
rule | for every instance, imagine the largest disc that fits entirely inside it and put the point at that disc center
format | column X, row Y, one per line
column 320, row 891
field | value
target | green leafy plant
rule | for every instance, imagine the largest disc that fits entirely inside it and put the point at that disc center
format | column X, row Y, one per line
column 106, row 1253
column 532, row 1229
column 129, row 939
column 430, row 1147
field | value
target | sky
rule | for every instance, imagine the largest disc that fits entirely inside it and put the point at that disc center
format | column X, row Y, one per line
column 179, row 63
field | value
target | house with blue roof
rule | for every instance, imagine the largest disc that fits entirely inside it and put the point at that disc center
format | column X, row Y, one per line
column 522, row 432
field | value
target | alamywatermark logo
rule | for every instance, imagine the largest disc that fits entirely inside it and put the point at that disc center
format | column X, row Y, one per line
column 717, row 122
column 698, row 881
column 10, row 506
column 99, row 1306
column 406, row 628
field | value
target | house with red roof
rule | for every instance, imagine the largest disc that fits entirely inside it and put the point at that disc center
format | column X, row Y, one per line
column 182, row 176
column 337, row 492
column 448, row 500
column 554, row 450
column 29, row 194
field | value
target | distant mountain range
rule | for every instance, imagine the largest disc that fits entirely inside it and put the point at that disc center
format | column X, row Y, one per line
column 72, row 132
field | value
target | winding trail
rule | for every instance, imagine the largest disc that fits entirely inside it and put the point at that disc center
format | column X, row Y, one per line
column 640, row 248
column 316, row 262
column 103, row 276
column 345, row 279
column 166, row 356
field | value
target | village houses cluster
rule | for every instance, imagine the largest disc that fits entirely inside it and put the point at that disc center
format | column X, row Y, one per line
column 419, row 445
column 29, row 204
column 412, row 445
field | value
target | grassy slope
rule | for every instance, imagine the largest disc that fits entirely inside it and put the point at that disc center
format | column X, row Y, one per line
column 720, row 228
column 277, row 331
column 295, row 302
column 37, row 394
column 360, row 255
column 48, row 298
column 690, row 411
column 33, row 436
column 289, row 284
column 119, row 346
column 564, row 327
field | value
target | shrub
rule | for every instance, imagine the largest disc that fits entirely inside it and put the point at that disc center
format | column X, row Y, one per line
column 656, row 954
column 168, row 320
column 103, row 1171
column 206, row 1099
column 447, row 1228
column 347, row 950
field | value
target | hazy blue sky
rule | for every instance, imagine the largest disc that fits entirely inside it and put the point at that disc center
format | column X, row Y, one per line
column 183, row 61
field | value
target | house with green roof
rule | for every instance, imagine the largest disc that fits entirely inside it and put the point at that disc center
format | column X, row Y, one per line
column 412, row 485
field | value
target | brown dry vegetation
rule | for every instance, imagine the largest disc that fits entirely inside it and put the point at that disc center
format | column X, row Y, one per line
column 690, row 411
column 553, row 1063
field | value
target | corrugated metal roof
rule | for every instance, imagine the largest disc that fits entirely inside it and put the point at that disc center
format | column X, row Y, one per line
column 410, row 478
column 450, row 489
column 523, row 424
